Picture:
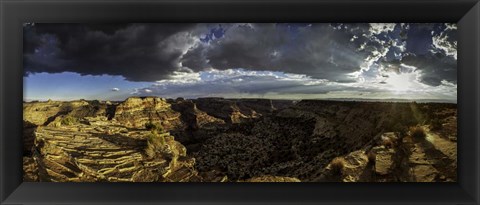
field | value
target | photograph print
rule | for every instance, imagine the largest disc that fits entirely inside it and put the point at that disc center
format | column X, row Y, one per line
column 240, row 102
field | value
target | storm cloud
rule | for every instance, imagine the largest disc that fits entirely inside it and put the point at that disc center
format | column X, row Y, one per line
column 339, row 55
column 138, row 52
column 317, row 50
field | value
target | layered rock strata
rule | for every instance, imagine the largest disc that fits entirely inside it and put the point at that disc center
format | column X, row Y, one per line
column 238, row 140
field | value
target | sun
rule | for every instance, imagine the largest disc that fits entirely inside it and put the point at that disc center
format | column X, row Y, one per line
column 400, row 82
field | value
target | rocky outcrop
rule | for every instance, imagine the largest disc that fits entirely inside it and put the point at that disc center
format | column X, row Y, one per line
column 235, row 110
column 43, row 113
column 107, row 141
column 255, row 107
column 251, row 140
column 433, row 158
column 384, row 160
column 51, row 113
column 135, row 112
column 356, row 168
column 40, row 113
column 30, row 170
column 395, row 158
column 226, row 110
column 84, row 153
column 302, row 140
column 194, row 118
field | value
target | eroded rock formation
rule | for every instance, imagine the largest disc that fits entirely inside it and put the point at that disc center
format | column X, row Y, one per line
column 82, row 153
column 300, row 141
column 251, row 140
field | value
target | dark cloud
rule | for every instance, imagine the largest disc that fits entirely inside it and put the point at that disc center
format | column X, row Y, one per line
column 318, row 50
column 152, row 52
column 196, row 58
column 139, row 52
column 435, row 68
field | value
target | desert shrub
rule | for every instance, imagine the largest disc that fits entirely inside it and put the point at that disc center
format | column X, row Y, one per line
column 371, row 155
column 337, row 165
column 155, row 143
column 156, row 139
column 156, row 127
column 68, row 120
column 436, row 124
column 388, row 143
column 417, row 132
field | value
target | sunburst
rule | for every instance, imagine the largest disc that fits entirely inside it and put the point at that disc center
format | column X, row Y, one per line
column 400, row 82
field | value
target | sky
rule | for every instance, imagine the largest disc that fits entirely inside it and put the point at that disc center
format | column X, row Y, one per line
column 241, row 60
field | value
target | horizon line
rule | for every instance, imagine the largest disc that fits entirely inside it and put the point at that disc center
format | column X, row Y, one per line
column 329, row 99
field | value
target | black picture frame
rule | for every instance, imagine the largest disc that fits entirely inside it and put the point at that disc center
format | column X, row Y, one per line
column 13, row 13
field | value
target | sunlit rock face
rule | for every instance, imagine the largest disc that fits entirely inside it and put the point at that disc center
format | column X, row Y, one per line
column 135, row 112
column 51, row 113
column 82, row 153
column 38, row 113
column 238, row 140
column 85, row 141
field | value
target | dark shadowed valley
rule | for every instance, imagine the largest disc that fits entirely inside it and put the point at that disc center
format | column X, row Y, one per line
column 151, row 139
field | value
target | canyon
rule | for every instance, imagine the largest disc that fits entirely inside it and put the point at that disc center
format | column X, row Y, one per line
column 152, row 139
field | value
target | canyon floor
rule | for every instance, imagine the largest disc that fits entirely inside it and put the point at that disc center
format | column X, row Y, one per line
column 151, row 139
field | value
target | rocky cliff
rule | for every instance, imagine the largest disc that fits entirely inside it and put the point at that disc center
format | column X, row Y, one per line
column 114, row 153
column 105, row 141
column 135, row 112
column 251, row 140
column 302, row 140
column 235, row 111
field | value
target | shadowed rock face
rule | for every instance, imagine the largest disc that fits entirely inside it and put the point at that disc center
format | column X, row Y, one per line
column 28, row 137
column 235, row 111
column 302, row 140
column 251, row 140
column 193, row 118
